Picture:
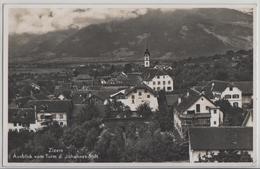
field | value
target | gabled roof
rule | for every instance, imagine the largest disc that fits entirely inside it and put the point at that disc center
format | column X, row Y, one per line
column 21, row 115
column 189, row 100
column 57, row 106
column 171, row 99
column 103, row 93
column 150, row 73
column 217, row 86
column 247, row 117
column 245, row 86
column 133, row 78
column 221, row 138
column 139, row 86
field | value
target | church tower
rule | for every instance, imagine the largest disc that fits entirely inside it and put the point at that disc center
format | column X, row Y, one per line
column 146, row 58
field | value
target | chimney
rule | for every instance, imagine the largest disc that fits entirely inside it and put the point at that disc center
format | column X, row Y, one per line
column 212, row 85
column 179, row 100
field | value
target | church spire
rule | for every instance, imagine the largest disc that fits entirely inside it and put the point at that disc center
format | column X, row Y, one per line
column 146, row 58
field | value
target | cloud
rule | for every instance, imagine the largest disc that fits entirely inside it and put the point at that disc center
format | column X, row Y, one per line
column 42, row 20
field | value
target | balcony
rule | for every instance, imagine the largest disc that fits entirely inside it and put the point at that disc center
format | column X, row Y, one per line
column 194, row 116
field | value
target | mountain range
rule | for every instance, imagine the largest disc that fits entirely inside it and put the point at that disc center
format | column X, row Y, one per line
column 170, row 35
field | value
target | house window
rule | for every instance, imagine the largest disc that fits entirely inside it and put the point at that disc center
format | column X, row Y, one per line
column 163, row 76
column 169, row 82
column 235, row 104
column 153, row 83
column 231, row 88
column 154, row 88
column 61, row 123
column 140, row 93
column 145, row 91
column 148, row 96
column 133, row 101
column 19, row 124
column 163, row 88
column 190, row 112
column 61, row 116
column 158, row 88
column 15, row 124
column 42, row 116
column 235, row 96
column 163, row 82
column 169, row 88
column 197, row 107
column 215, row 122
column 133, row 96
column 54, row 116
column 228, row 96
column 215, row 111
column 158, row 77
column 159, row 82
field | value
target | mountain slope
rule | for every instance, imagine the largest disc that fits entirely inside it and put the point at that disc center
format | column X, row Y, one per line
column 170, row 35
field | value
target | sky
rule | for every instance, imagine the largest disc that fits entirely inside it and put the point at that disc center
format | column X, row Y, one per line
column 43, row 20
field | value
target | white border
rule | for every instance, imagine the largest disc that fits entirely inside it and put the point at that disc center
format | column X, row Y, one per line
column 132, row 4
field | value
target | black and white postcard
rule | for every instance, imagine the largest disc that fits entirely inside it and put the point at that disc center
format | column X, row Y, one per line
column 129, row 85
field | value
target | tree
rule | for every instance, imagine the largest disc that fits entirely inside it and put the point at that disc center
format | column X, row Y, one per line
column 164, row 116
column 128, row 68
column 144, row 110
column 88, row 112
column 221, row 75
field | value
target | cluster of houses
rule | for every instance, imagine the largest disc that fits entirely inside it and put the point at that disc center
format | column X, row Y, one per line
column 197, row 115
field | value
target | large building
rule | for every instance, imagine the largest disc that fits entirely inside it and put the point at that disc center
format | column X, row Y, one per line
column 136, row 96
column 195, row 109
column 158, row 80
column 216, row 90
column 48, row 111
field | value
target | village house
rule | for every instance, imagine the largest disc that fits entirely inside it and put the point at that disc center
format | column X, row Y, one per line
column 247, row 93
column 163, row 67
column 83, row 81
column 22, row 118
column 136, row 96
column 48, row 111
column 158, row 80
column 195, row 109
column 216, row 90
column 207, row 142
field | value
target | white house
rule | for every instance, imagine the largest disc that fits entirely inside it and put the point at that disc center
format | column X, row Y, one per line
column 216, row 90
column 247, row 92
column 136, row 96
column 207, row 142
column 195, row 109
column 158, row 80
column 22, row 118
column 39, row 113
